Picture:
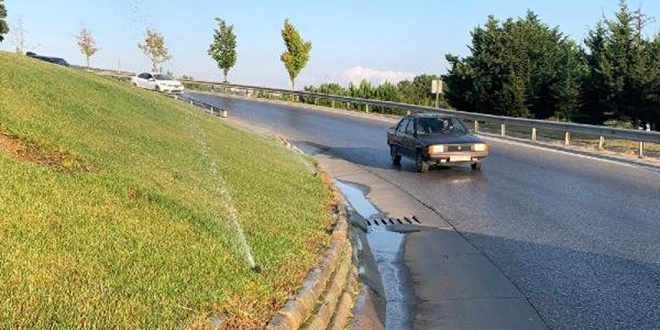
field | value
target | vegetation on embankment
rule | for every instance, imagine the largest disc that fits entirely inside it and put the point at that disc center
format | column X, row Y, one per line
column 109, row 216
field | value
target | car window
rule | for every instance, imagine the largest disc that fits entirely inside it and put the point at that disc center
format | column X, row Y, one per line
column 162, row 77
column 410, row 129
column 402, row 126
column 439, row 125
column 142, row 76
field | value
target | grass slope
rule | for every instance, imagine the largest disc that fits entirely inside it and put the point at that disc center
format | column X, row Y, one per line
column 127, row 231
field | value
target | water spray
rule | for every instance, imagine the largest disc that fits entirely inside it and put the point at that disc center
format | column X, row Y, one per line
column 223, row 196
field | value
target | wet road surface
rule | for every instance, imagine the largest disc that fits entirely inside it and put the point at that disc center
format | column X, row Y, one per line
column 579, row 238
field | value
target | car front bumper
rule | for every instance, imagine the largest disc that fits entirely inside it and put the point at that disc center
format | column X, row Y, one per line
column 457, row 157
column 168, row 89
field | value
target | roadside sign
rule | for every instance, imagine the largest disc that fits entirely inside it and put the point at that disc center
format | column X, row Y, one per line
column 436, row 86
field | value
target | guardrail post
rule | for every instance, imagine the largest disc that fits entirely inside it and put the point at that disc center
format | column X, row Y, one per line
column 191, row 103
column 316, row 101
column 601, row 143
column 348, row 105
column 567, row 139
column 366, row 108
column 223, row 113
column 503, row 130
column 533, row 134
column 332, row 103
column 641, row 149
column 408, row 112
column 476, row 126
column 176, row 97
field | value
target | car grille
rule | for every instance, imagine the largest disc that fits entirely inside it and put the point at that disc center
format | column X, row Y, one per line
column 459, row 148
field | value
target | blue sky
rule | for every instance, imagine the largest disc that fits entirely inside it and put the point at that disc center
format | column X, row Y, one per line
column 352, row 39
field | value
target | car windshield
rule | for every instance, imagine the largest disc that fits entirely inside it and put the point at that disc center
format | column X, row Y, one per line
column 162, row 77
column 440, row 126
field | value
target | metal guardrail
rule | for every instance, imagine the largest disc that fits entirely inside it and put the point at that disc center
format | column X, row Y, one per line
column 214, row 110
column 534, row 124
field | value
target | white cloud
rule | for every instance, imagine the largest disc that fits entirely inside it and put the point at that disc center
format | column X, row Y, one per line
column 357, row 74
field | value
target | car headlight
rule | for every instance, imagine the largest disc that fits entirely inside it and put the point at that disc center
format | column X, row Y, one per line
column 480, row 147
column 436, row 149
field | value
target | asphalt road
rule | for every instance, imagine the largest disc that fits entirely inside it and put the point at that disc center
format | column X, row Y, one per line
column 580, row 238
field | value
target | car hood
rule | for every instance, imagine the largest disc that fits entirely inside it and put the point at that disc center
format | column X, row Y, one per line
column 449, row 139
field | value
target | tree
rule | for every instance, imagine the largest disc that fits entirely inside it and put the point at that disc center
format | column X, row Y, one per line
column 514, row 69
column 154, row 48
column 18, row 37
column 296, row 56
column 623, row 81
column 418, row 91
column 87, row 44
column 223, row 48
column 4, row 29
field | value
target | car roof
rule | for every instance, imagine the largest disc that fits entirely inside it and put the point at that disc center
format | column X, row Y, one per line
column 431, row 115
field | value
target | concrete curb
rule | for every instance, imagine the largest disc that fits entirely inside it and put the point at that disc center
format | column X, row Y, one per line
column 315, row 304
column 320, row 300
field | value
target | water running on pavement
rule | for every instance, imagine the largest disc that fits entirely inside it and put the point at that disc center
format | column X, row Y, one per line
column 386, row 248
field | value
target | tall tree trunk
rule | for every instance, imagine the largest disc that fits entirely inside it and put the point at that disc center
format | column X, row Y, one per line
column 87, row 62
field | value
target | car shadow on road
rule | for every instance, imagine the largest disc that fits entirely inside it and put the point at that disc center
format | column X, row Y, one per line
column 378, row 158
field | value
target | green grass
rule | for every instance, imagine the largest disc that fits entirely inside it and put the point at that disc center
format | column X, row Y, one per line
column 139, row 239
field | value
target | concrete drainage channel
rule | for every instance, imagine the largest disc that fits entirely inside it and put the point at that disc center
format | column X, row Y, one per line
column 387, row 290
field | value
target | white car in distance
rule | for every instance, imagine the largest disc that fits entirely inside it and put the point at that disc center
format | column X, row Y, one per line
column 158, row 82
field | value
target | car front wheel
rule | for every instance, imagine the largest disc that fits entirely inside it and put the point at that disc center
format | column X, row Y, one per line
column 422, row 166
column 396, row 158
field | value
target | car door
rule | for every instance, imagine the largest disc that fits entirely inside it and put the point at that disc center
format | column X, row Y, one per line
column 399, row 132
column 140, row 81
column 408, row 139
column 150, row 81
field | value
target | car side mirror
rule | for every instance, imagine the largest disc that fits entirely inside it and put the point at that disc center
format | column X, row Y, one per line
column 152, row 79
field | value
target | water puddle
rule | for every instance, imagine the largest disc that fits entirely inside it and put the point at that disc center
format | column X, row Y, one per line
column 382, row 249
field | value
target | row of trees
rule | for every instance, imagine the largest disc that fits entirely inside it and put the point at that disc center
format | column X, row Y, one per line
column 416, row 91
column 295, row 56
column 222, row 49
column 524, row 68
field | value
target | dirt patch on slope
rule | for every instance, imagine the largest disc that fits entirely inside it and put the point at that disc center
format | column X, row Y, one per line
column 32, row 153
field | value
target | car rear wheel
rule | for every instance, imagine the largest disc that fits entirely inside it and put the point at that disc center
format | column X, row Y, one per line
column 157, row 88
column 396, row 158
column 422, row 166
column 476, row 166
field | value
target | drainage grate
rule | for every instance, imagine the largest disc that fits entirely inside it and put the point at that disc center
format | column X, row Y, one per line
column 392, row 221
